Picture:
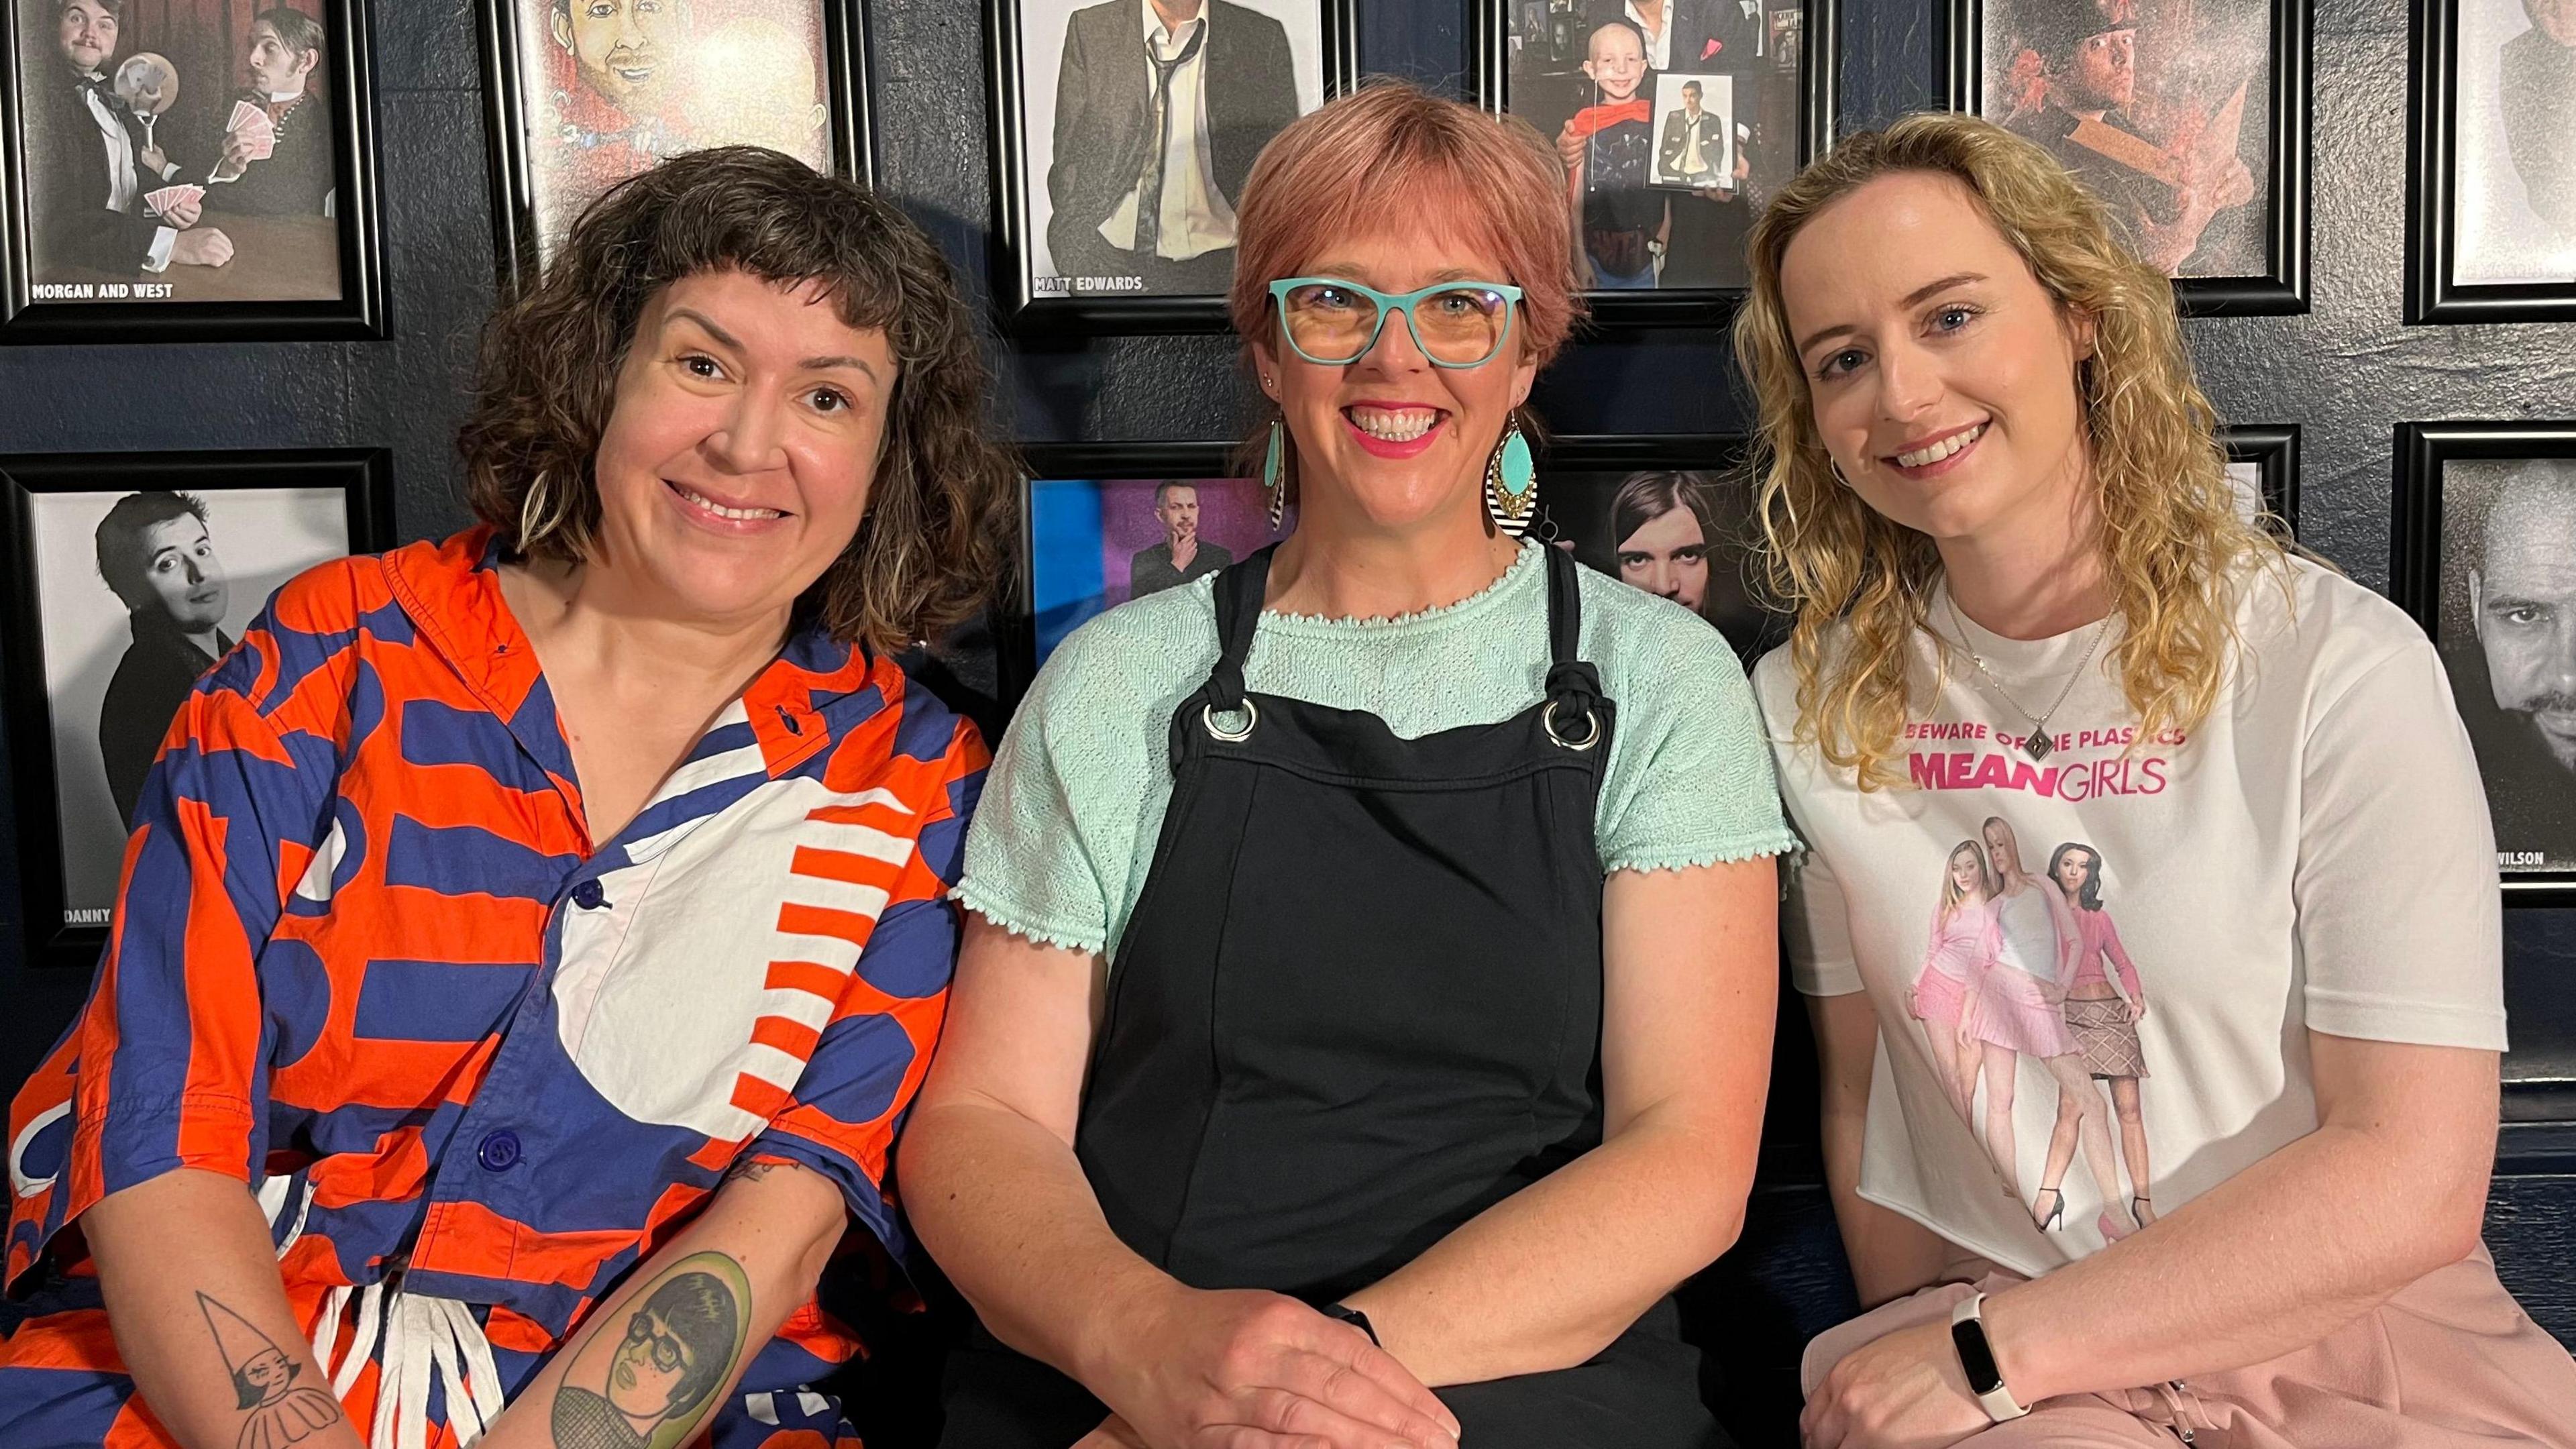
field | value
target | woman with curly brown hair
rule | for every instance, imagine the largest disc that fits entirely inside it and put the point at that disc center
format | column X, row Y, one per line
column 2026, row 602
column 529, row 941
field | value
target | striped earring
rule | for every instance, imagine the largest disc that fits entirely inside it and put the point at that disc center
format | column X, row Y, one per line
column 1511, row 480
column 1274, row 473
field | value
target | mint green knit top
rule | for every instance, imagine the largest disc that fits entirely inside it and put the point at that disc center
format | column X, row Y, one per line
column 1065, row 833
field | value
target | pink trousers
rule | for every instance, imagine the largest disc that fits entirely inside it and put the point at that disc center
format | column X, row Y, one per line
column 2451, row 1362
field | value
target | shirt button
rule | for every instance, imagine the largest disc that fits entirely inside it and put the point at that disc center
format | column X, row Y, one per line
column 589, row 896
column 499, row 1152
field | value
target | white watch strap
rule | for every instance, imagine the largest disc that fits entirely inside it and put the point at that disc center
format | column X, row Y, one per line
column 1998, row 1402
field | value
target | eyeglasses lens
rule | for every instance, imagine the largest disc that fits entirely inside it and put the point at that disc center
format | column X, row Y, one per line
column 1460, row 326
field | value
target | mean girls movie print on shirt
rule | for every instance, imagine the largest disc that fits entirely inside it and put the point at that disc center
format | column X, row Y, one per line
column 2086, row 965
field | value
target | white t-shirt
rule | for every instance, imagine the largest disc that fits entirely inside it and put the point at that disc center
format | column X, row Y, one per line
column 2316, row 854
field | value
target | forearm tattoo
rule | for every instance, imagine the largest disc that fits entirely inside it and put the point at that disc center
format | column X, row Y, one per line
column 281, row 1412
column 650, row 1380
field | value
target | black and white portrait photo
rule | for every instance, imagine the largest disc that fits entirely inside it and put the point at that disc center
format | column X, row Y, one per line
column 2509, row 640
column 1138, row 121
column 2515, row 165
column 187, row 154
column 2488, row 563
column 134, row 579
column 1675, row 119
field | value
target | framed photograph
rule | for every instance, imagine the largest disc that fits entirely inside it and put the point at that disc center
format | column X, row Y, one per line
column 1672, row 515
column 130, row 574
column 2491, row 211
column 585, row 93
column 2188, row 118
column 1110, row 522
column 1115, row 176
column 1674, row 135
column 2263, row 461
column 2485, row 531
column 188, row 171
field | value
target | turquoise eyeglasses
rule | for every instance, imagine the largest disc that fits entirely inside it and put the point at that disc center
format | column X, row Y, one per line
column 1333, row 322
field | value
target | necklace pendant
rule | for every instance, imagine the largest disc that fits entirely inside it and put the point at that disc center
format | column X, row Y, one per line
column 2036, row 744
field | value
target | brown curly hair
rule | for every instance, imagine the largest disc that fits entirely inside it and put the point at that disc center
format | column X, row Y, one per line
column 929, row 550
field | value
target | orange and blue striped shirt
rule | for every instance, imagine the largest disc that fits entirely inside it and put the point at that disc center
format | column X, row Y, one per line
column 367, row 959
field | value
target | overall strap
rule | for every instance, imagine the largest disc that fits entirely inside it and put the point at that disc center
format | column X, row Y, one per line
column 1573, row 685
column 1240, row 589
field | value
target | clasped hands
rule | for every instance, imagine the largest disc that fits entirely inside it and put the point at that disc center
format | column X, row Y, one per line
column 1240, row 1369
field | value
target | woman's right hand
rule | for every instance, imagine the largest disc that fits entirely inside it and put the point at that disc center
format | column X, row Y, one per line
column 1239, row 1369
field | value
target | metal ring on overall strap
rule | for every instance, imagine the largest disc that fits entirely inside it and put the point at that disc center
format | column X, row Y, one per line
column 1560, row 736
column 1251, row 717
column 1573, row 686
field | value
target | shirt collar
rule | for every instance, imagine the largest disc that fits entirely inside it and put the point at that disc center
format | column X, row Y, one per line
column 451, row 591
column 1154, row 22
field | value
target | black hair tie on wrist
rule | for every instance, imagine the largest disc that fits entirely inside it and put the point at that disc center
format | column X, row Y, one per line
column 1351, row 1316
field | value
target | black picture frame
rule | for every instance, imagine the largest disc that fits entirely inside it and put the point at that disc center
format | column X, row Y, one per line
column 2432, row 216
column 515, row 241
column 1026, row 315
column 2424, row 451
column 2273, row 448
column 358, row 314
column 364, row 476
column 1819, row 116
column 2282, row 290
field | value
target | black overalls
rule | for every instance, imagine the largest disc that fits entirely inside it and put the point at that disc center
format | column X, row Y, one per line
column 1359, row 1002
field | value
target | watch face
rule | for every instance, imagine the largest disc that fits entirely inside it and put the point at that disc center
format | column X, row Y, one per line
column 1975, row 1357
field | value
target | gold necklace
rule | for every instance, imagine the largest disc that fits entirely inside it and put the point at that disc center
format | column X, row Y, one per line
column 2036, row 744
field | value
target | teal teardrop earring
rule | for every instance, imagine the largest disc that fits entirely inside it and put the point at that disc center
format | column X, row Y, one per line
column 1274, row 473
column 1511, row 481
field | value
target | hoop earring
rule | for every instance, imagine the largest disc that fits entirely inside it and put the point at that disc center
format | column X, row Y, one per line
column 1511, row 480
column 1274, row 473
column 537, row 514
column 1838, row 472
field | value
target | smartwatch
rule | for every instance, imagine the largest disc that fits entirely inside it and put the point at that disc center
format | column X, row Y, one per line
column 1352, row 1316
column 1977, row 1359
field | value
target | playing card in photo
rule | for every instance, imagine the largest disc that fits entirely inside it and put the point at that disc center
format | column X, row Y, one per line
column 168, row 198
column 245, row 114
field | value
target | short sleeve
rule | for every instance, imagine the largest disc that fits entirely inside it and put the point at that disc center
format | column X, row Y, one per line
column 171, row 1048
column 2400, row 924
column 1815, row 928
column 1690, row 781
column 1038, row 862
column 857, row 1087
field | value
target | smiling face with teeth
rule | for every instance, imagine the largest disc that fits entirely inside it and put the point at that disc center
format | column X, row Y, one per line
column 1391, row 442
column 735, row 466
column 1941, row 374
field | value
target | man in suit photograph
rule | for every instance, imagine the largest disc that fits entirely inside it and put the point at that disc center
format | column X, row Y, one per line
column 2514, row 676
column 1160, row 106
column 297, row 176
column 1693, row 145
column 1182, row 555
column 91, row 164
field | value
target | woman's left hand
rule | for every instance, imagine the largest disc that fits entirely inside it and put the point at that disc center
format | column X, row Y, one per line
column 1904, row 1391
column 2137, row 1010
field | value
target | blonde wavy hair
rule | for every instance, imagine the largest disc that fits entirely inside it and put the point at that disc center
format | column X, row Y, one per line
column 2174, row 545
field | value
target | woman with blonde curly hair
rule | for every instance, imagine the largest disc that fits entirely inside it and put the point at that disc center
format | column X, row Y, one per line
column 1995, row 498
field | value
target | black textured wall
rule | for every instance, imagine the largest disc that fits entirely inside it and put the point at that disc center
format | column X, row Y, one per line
column 2348, row 372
